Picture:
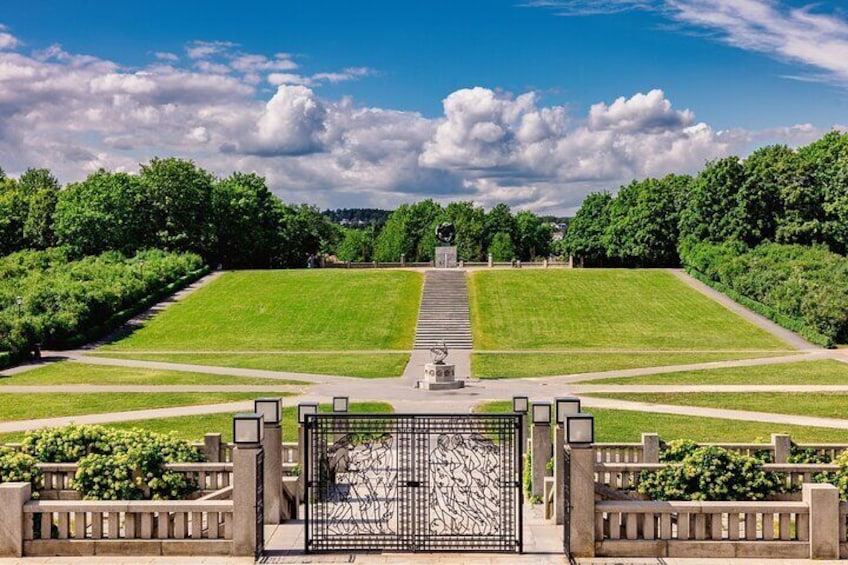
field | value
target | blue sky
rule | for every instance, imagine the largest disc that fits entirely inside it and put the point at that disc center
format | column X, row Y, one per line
column 374, row 103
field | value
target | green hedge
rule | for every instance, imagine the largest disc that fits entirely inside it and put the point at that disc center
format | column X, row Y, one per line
column 803, row 288
column 791, row 324
column 46, row 297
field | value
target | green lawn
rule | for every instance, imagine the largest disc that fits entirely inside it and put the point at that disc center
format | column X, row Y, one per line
column 603, row 309
column 71, row 373
column 288, row 310
column 193, row 427
column 365, row 365
column 524, row 365
column 628, row 426
column 48, row 405
column 823, row 404
column 825, row 372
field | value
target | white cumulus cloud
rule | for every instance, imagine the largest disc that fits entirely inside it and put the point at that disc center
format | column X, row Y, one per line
column 76, row 113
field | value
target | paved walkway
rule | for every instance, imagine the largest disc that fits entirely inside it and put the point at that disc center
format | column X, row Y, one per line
column 405, row 398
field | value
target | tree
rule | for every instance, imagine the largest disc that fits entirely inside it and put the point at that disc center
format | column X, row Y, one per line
column 41, row 190
column 106, row 211
column 245, row 221
column 180, row 195
column 419, row 227
column 395, row 238
column 469, row 223
column 768, row 172
column 356, row 245
column 533, row 236
column 301, row 231
column 13, row 212
column 712, row 213
column 643, row 224
column 501, row 247
column 585, row 236
column 499, row 220
column 826, row 162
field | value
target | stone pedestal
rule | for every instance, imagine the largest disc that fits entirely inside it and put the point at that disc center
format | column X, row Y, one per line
column 446, row 257
column 440, row 377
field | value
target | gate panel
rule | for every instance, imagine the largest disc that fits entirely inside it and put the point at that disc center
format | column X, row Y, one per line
column 413, row 483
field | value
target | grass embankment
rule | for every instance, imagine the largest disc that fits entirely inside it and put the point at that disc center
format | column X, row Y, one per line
column 48, row 405
column 71, row 373
column 523, row 365
column 596, row 309
column 193, row 427
column 824, row 372
column 310, row 310
column 821, row 404
column 628, row 426
column 362, row 365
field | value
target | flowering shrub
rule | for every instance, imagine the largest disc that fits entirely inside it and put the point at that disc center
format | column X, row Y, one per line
column 16, row 466
column 675, row 451
column 116, row 464
column 711, row 473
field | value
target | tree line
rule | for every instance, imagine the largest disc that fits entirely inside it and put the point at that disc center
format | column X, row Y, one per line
column 410, row 231
column 777, row 195
column 172, row 205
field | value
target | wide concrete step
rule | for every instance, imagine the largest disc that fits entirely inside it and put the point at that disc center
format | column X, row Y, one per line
column 444, row 314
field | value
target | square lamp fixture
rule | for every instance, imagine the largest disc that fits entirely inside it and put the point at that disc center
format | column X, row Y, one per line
column 566, row 405
column 306, row 409
column 340, row 404
column 520, row 404
column 580, row 429
column 271, row 408
column 248, row 427
column 541, row 413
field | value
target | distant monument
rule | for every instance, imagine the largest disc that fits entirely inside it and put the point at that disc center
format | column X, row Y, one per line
column 439, row 375
column 445, row 252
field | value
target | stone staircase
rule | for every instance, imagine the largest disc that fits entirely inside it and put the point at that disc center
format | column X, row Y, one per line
column 444, row 311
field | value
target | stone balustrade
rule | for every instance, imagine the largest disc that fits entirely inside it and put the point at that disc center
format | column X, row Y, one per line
column 123, row 527
column 692, row 529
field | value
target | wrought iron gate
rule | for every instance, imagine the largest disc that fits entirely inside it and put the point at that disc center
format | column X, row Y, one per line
column 260, row 503
column 413, row 483
column 566, row 502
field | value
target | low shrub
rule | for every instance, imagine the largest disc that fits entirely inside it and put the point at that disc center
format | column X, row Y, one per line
column 675, row 451
column 16, row 466
column 116, row 464
column 710, row 473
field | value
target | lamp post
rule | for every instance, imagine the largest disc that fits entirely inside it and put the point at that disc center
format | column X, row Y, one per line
column 341, row 404
column 540, row 453
column 304, row 409
column 564, row 406
column 271, row 410
column 580, row 435
column 248, row 433
column 521, row 405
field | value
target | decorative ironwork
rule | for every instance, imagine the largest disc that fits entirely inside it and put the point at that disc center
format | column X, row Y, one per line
column 413, row 483
column 260, row 503
column 566, row 501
